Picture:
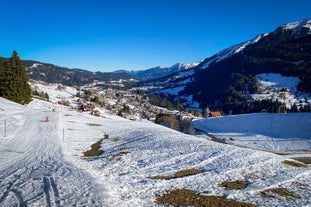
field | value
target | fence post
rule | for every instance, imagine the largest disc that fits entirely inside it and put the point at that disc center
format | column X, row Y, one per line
column 5, row 128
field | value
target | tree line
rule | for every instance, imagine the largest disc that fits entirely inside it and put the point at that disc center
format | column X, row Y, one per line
column 14, row 80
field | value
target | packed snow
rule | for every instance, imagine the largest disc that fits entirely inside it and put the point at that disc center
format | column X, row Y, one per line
column 42, row 163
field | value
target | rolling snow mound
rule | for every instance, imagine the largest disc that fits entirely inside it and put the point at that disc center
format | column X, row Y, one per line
column 266, row 131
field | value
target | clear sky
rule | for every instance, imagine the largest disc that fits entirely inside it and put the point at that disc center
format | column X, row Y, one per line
column 108, row 35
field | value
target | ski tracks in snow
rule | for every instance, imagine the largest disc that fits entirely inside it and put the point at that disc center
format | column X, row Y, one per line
column 33, row 171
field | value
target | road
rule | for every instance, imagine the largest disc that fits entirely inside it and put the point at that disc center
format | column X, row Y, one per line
column 33, row 171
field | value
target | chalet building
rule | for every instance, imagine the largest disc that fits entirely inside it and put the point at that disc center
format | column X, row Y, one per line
column 63, row 102
column 61, row 87
column 95, row 113
column 214, row 114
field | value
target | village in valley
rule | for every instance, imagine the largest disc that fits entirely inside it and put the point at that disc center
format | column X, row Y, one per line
column 108, row 98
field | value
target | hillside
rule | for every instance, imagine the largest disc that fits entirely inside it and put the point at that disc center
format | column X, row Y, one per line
column 72, row 77
column 45, row 166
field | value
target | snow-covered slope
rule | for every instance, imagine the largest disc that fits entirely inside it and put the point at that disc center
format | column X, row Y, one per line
column 42, row 163
column 284, row 89
column 280, row 133
column 52, row 89
column 297, row 25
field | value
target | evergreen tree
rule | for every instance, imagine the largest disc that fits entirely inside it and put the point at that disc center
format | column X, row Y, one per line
column 5, row 79
column 14, row 80
column 1, row 71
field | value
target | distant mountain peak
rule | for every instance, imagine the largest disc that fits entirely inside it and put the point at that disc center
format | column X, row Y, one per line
column 158, row 71
column 298, row 25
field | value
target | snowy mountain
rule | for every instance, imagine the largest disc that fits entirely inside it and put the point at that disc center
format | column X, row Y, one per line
column 42, row 163
column 225, row 80
column 297, row 26
column 159, row 72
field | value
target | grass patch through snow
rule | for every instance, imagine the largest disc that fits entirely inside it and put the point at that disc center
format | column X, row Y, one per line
column 306, row 160
column 92, row 124
column 184, row 197
column 179, row 174
column 252, row 175
column 231, row 185
column 119, row 153
column 95, row 151
column 294, row 163
column 274, row 192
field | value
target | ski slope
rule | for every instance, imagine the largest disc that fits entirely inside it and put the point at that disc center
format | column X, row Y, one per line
column 33, row 171
column 42, row 163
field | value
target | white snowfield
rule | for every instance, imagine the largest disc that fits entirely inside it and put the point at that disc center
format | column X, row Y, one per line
column 42, row 163
column 280, row 133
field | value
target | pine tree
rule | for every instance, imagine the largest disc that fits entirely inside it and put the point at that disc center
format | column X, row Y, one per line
column 5, row 79
column 14, row 80
column 1, row 68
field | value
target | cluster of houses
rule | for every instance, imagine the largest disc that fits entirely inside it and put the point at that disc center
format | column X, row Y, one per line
column 120, row 102
column 128, row 104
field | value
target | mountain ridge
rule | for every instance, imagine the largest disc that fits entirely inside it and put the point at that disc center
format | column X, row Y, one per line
column 286, row 50
column 158, row 72
column 57, row 74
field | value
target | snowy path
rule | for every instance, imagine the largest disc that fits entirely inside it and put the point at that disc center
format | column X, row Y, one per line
column 33, row 171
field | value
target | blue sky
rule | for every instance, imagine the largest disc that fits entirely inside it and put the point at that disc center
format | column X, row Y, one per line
column 107, row 35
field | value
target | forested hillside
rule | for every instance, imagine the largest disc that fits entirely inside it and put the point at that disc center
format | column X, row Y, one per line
column 56, row 74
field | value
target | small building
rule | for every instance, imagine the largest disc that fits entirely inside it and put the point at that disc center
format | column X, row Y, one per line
column 61, row 87
column 89, row 107
column 214, row 114
column 63, row 102
column 95, row 113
